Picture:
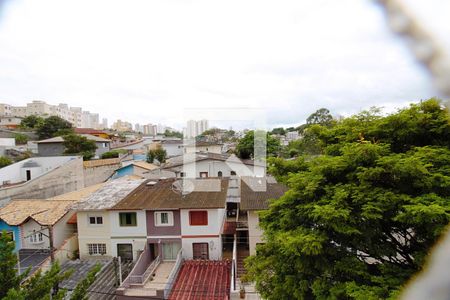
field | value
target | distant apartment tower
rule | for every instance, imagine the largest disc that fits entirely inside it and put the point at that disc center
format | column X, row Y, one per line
column 75, row 115
column 122, row 126
column 104, row 123
column 5, row 110
column 150, row 129
column 195, row 128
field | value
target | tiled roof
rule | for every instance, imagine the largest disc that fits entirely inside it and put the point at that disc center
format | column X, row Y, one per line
column 255, row 195
column 88, row 131
column 59, row 139
column 45, row 212
column 201, row 280
column 107, row 196
column 79, row 194
column 207, row 193
column 100, row 162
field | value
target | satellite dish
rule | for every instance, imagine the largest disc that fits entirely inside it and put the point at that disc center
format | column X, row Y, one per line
column 183, row 187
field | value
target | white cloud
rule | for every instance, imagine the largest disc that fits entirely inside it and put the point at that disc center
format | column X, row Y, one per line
column 146, row 61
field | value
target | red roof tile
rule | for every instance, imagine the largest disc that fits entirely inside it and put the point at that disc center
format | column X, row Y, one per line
column 73, row 219
column 203, row 280
column 88, row 131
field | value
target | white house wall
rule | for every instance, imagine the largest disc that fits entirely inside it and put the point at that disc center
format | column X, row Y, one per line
column 213, row 167
column 88, row 234
column 215, row 221
column 139, row 231
column 62, row 230
column 214, row 243
column 27, row 230
column 254, row 231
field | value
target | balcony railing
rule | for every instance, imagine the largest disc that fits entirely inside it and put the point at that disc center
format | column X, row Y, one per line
column 173, row 274
column 141, row 279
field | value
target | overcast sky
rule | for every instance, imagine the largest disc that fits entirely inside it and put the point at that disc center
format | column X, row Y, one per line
column 158, row 61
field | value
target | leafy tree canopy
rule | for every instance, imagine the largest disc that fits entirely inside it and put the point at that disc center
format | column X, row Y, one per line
column 53, row 126
column 32, row 122
column 321, row 116
column 5, row 161
column 41, row 284
column 170, row 133
column 78, row 144
column 245, row 147
column 359, row 219
column 20, row 138
column 159, row 154
column 110, row 154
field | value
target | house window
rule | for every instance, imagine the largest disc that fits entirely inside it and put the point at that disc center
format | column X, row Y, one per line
column 95, row 220
column 164, row 218
column 36, row 238
column 182, row 174
column 198, row 218
column 203, row 174
column 96, row 249
column 219, row 174
column 233, row 173
column 127, row 219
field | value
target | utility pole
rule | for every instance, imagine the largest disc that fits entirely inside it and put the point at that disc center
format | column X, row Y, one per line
column 52, row 256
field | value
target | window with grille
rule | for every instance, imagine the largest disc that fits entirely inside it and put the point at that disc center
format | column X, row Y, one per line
column 96, row 249
column 198, row 218
column 164, row 218
column 36, row 238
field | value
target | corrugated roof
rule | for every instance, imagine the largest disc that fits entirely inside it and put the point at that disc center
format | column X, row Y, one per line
column 109, row 194
column 45, row 212
column 79, row 194
column 255, row 194
column 203, row 279
column 59, row 139
column 165, row 194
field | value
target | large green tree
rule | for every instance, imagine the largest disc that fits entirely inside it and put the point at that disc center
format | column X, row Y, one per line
column 246, row 147
column 359, row 220
column 40, row 285
column 78, row 144
column 32, row 122
column 53, row 126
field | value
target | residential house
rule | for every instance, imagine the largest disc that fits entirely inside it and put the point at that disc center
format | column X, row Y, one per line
column 91, row 131
column 179, row 226
column 41, row 178
column 195, row 165
column 101, row 232
column 33, row 223
column 173, row 147
column 211, row 147
column 10, row 122
column 55, row 146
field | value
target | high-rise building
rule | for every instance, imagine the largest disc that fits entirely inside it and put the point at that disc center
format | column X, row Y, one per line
column 122, row 126
column 195, row 128
column 104, row 123
column 150, row 129
column 75, row 115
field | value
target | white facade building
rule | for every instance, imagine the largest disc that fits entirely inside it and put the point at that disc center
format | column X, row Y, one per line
column 75, row 115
